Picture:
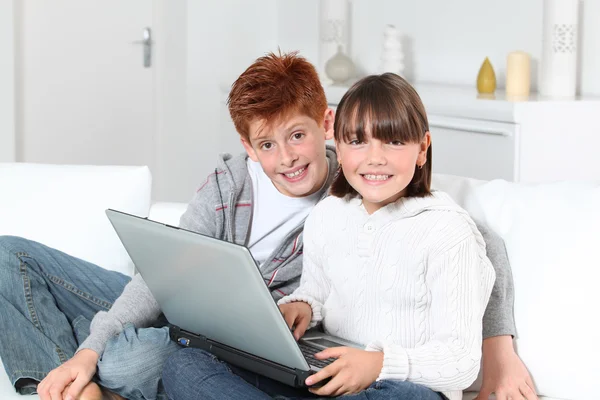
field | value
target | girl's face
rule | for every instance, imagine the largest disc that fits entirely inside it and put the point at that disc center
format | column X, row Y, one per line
column 380, row 171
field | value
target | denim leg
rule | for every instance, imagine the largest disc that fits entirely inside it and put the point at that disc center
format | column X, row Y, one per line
column 42, row 292
column 132, row 362
column 193, row 374
column 197, row 374
column 389, row 390
column 273, row 388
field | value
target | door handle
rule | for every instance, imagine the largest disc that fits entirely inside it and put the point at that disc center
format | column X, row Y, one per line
column 147, row 43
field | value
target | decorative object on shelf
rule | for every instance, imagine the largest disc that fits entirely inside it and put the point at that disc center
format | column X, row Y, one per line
column 392, row 56
column 518, row 75
column 558, row 69
column 486, row 79
column 339, row 68
column 334, row 31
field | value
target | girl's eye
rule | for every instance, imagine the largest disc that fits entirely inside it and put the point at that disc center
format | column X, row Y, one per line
column 396, row 143
column 354, row 142
column 266, row 146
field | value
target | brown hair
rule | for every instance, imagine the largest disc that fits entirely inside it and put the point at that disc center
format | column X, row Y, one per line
column 394, row 112
column 274, row 86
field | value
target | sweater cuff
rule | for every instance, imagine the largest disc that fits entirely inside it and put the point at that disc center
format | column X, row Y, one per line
column 314, row 305
column 395, row 361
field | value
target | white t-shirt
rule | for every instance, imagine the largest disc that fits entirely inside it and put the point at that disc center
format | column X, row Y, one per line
column 274, row 215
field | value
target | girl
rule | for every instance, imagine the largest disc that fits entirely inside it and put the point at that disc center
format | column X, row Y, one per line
column 387, row 263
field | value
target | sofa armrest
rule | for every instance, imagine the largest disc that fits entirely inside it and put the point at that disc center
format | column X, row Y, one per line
column 167, row 213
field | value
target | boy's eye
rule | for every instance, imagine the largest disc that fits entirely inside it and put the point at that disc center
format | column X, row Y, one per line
column 298, row 135
column 266, row 146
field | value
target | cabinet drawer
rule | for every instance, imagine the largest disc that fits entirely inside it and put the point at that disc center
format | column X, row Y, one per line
column 474, row 148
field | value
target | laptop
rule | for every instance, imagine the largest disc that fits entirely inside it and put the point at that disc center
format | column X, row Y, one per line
column 214, row 298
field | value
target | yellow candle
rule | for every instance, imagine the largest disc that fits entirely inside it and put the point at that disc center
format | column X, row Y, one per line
column 518, row 72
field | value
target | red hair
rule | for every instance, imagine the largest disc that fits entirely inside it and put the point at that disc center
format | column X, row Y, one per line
column 273, row 87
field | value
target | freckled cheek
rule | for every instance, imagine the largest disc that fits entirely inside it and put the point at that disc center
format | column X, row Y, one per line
column 269, row 163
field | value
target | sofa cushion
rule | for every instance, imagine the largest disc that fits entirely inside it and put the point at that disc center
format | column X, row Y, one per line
column 552, row 234
column 64, row 207
column 167, row 213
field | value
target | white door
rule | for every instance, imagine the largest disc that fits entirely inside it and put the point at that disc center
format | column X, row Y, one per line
column 84, row 95
column 7, row 96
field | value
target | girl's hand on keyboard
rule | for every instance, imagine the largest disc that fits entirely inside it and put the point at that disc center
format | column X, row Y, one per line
column 353, row 371
column 297, row 314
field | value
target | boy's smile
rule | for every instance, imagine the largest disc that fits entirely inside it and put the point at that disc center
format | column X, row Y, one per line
column 297, row 174
column 291, row 151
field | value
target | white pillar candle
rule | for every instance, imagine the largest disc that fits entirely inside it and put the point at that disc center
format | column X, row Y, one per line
column 518, row 73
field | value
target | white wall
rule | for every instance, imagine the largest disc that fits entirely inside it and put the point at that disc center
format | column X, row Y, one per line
column 589, row 64
column 446, row 40
column 223, row 38
column 7, row 85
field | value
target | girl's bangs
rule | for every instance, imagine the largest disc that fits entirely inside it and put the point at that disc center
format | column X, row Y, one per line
column 383, row 115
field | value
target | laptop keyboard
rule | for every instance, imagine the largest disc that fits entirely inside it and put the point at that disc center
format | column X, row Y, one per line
column 309, row 353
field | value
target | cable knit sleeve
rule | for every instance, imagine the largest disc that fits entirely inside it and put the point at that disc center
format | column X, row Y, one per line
column 459, row 282
column 314, row 285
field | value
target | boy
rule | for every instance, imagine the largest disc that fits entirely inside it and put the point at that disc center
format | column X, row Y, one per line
column 260, row 200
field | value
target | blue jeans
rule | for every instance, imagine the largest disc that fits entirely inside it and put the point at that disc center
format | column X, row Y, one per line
column 47, row 300
column 191, row 374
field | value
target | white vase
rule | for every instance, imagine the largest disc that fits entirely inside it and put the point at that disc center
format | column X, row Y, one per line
column 339, row 68
column 334, row 30
column 558, row 68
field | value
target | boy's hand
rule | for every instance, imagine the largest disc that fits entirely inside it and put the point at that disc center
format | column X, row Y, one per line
column 503, row 372
column 353, row 371
column 297, row 314
column 77, row 372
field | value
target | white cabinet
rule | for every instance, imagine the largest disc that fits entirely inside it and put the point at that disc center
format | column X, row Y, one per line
column 537, row 140
column 486, row 148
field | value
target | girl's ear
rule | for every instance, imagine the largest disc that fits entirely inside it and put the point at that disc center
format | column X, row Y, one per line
column 339, row 154
column 424, row 146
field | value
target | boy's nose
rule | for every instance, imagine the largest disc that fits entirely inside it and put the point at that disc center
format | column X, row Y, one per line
column 288, row 157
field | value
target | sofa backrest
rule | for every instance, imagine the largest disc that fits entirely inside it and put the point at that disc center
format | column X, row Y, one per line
column 63, row 207
column 552, row 236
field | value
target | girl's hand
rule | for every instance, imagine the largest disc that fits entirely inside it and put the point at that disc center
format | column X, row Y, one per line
column 353, row 371
column 297, row 314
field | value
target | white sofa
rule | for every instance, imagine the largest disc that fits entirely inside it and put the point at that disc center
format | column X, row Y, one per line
column 552, row 234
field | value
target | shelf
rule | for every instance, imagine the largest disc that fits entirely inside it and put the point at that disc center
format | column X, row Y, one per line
column 465, row 102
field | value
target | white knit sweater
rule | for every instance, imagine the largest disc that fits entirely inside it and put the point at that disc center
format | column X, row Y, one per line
column 411, row 280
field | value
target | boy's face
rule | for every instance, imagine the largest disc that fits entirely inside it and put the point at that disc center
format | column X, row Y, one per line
column 291, row 151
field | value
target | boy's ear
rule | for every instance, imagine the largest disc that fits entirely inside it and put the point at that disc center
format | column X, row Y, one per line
column 328, row 120
column 249, row 149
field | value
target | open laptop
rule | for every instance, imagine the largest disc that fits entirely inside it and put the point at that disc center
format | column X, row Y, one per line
column 215, row 298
